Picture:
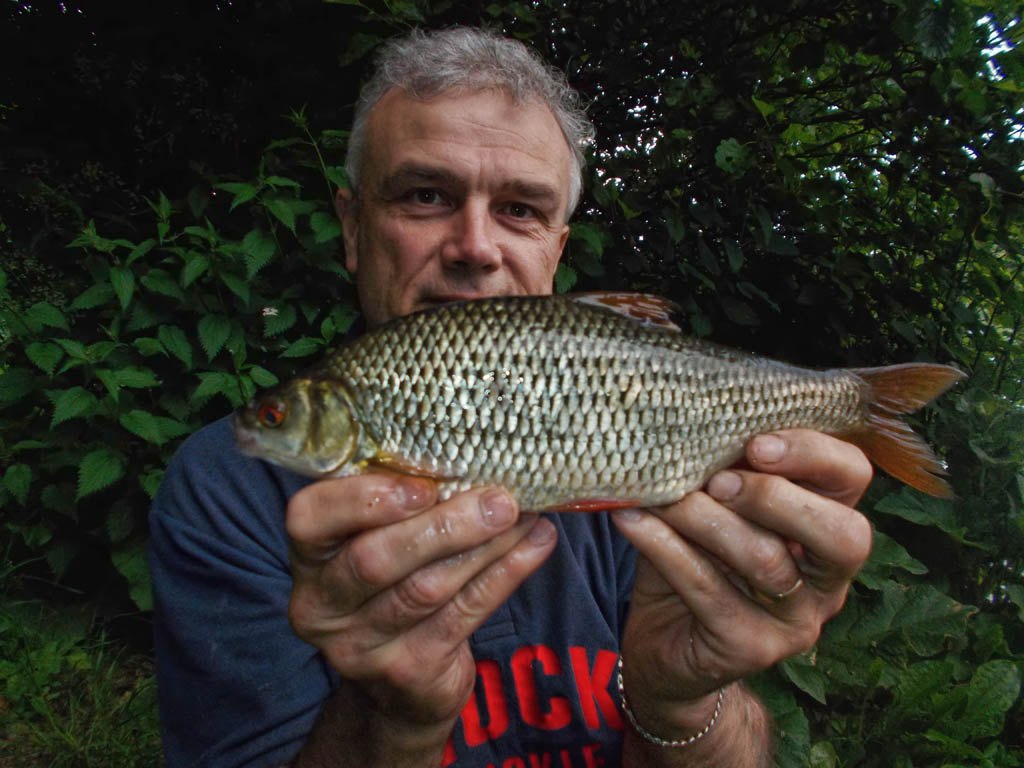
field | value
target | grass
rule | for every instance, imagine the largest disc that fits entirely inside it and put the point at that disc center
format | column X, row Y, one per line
column 71, row 697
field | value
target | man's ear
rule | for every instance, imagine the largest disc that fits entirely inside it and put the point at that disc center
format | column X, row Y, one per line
column 347, row 208
column 562, row 240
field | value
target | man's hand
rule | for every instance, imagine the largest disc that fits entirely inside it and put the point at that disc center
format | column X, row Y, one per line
column 736, row 578
column 389, row 585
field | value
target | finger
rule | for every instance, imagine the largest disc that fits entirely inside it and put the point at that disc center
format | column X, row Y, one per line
column 321, row 516
column 830, row 466
column 365, row 651
column 379, row 558
column 490, row 588
column 424, row 591
column 834, row 539
column 740, row 544
column 736, row 635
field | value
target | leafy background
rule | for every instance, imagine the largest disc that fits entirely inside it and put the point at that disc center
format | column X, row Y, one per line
column 832, row 183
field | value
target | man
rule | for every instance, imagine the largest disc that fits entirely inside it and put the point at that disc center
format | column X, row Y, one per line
column 469, row 632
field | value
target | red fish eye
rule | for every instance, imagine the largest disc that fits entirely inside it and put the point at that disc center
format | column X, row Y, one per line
column 271, row 414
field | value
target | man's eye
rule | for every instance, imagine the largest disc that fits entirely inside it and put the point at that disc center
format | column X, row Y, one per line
column 427, row 197
column 520, row 210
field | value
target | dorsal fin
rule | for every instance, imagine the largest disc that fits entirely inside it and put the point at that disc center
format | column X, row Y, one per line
column 645, row 308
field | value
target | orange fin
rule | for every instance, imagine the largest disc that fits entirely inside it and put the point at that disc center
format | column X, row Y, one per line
column 593, row 505
column 887, row 441
column 645, row 308
column 403, row 466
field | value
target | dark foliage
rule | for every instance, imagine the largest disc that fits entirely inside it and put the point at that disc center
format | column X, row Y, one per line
column 832, row 183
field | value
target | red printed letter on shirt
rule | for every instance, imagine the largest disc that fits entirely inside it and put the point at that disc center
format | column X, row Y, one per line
column 593, row 686
column 497, row 711
column 558, row 711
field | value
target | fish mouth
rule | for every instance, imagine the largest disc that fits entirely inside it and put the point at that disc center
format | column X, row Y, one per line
column 245, row 438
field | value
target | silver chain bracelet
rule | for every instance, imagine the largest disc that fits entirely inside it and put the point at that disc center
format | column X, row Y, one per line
column 657, row 740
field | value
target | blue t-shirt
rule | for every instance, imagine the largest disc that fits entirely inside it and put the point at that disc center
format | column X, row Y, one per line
column 238, row 688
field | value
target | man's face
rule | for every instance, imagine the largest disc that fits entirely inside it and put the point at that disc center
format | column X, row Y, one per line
column 461, row 196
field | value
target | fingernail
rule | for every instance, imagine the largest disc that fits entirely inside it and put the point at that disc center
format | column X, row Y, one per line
column 497, row 509
column 541, row 534
column 630, row 515
column 768, row 449
column 725, row 486
column 413, row 492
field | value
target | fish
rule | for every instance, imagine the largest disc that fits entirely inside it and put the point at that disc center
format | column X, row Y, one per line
column 577, row 402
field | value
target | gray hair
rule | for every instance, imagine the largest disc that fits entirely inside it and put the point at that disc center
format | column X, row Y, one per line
column 427, row 64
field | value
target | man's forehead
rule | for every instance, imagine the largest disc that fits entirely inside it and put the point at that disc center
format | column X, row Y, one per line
column 399, row 112
column 406, row 137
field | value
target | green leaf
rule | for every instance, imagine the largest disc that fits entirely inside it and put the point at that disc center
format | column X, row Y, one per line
column 143, row 424
column 800, row 671
column 195, row 265
column 243, row 193
column 45, row 355
column 171, row 428
column 132, row 563
column 278, row 318
column 302, row 347
column 161, row 281
column 141, row 250
column 134, row 377
column 214, row 383
column 259, row 248
column 162, row 207
column 18, row 480
column 73, row 349
column 732, row 157
column 923, row 510
column 590, row 235
column 886, row 556
column 993, row 690
column 198, row 198
column 337, row 176
column 176, row 342
column 262, row 377
column 237, row 284
column 148, row 346
column 122, row 280
column 109, row 379
column 282, row 210
column 565, row 278
column 287, row 209
column 213, row 332
column 15, row 383
column 70, row 404
column 97, row 470
column 119, row 524
column 93, row 296
column 325, row 226
column 43, row 313
column 150, row 481
column 734, row 254
column 919, row 683
column 281, row 181
column 763, row 107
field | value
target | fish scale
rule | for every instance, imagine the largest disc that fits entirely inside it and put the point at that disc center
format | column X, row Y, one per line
column 571, row 402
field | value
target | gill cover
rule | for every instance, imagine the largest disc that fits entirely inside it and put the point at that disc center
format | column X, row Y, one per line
column 333, row 433
column 312, row 430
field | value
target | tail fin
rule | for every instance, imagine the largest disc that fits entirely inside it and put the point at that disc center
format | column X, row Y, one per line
column 887, row 441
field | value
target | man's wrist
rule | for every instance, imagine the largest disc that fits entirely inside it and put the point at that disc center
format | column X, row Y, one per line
column 684, row 725
column 353, row 731
column 740, row 738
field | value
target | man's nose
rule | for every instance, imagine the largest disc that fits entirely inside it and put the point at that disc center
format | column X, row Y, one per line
column 472, row 244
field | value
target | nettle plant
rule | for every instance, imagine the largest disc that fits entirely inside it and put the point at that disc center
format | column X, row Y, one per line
column 161, row 332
